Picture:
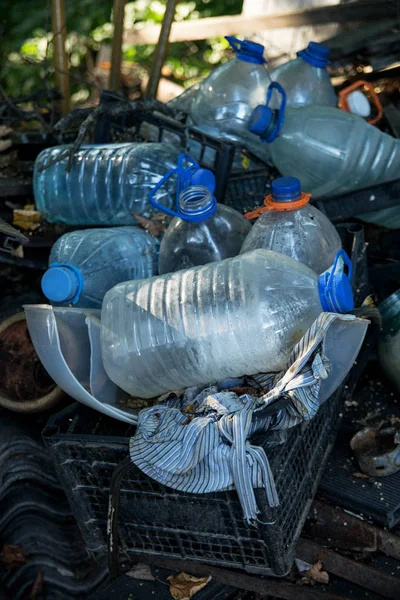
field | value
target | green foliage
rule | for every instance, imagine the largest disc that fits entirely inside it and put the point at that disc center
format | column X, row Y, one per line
column 25, row 51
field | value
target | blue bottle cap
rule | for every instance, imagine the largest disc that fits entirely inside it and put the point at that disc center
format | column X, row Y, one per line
column 247, row 51
column 334, row 287
column 205, row 178
column 62, row 283
column 286, row 189
column 260, row 120
column 315, row 54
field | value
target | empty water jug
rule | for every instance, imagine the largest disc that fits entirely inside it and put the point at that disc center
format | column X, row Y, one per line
column 201, row 231
column 107, row 183
column 331, row 151
column 225, row 319
column 84, row 265
column 389, row 345
column 290, row 225
column 305, row 79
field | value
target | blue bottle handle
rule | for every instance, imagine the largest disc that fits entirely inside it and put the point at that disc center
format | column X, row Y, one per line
column 234, row 43
column 281, row 110
column 341, row 254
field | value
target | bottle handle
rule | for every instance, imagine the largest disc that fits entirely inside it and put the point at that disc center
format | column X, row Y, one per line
column 180, row 173
column 281, row 110
column 343, row 95
column 233, row 42
column 341, row 254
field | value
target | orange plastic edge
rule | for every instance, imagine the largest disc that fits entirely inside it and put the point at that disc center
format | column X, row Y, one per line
column 271, row 204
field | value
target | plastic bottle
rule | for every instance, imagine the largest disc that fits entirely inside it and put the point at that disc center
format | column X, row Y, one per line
column 201, row 231
column 225, row 319
column 290, row 225
column 305, row 79
column 226, row 99
column 331, row 151
column 389, row 345
column 107, row 183
column 84, row 265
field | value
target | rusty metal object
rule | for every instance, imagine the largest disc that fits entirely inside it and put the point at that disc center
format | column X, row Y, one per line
column 160, row 51
column 367, row 577
column 377, row 451
column 338, row 529
column 25, row 386
column 60, row 56
column 116, row 49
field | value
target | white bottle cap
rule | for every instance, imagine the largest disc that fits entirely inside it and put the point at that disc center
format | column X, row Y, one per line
column 359, row 104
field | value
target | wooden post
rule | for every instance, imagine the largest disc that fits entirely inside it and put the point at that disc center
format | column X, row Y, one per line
column 116, row 52
column 60, row 57
column 161, row 49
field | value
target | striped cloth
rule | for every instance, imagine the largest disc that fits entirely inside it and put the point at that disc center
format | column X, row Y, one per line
column 198, row 442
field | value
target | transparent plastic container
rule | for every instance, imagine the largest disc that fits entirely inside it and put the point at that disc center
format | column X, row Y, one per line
column 107, row 183
column 225, row 100
column 389, row 345
column 290, row 225
column 225, row 319
column 305, row 79
column 331, row 151
column 84, row 265
column 201, row 231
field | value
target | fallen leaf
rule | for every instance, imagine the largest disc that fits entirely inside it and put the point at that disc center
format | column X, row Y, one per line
column 317, row 574
column 12, row 556
column 154, row 226
column 28, row 220
column 141, row 571
column 37, row 586
column 184, row 586
column 360, row 475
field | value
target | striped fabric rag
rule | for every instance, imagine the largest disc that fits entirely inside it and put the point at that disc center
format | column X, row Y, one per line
column 198, row 441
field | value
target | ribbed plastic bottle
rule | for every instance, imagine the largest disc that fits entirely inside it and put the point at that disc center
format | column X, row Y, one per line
column 226, row 99
column 107, row 183
column 305, row 79
column 389, row 345
column 225, row 319
column 330, row 150
column 85, row 264
column 201, row 231
column 288, row 224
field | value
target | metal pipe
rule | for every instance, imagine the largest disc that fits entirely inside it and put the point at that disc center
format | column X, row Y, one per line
column 160, row 51
column 116, row 51
column 60, row 56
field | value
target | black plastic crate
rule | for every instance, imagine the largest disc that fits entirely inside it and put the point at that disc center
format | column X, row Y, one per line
column 206, row 528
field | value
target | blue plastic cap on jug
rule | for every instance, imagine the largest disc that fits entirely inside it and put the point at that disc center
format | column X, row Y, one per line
column 334, row 286
column 247, row 51
column 286, row 189
column 315, row 54
column 62, row 283
column 204, row 178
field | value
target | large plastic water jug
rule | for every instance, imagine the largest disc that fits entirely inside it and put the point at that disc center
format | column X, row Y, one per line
column 84, row 265
column 305, row 79
column 331, row 151
column 225, row 319
column 201, row 231
column 389, row 345
column 290, row 225
column 106, row 185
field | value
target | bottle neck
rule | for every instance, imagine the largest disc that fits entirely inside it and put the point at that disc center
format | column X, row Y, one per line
column 195, row 200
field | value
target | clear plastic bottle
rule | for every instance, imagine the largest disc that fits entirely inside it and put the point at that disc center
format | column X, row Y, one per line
column 201, row 231
column 330, row 150
column 305, row 79
column 389, row 345
column 107, row 183
column 85, row 264
column 290, row 225
column 226, row 99
column 225, row 319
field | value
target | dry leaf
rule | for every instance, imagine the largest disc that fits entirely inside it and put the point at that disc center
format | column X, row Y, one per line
column 28, row 220
column 154, row 226
column 12, row 556
column 141, row 571
column 317, row 574
column 184, row 586
column 37, row 586
column 360, row 475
